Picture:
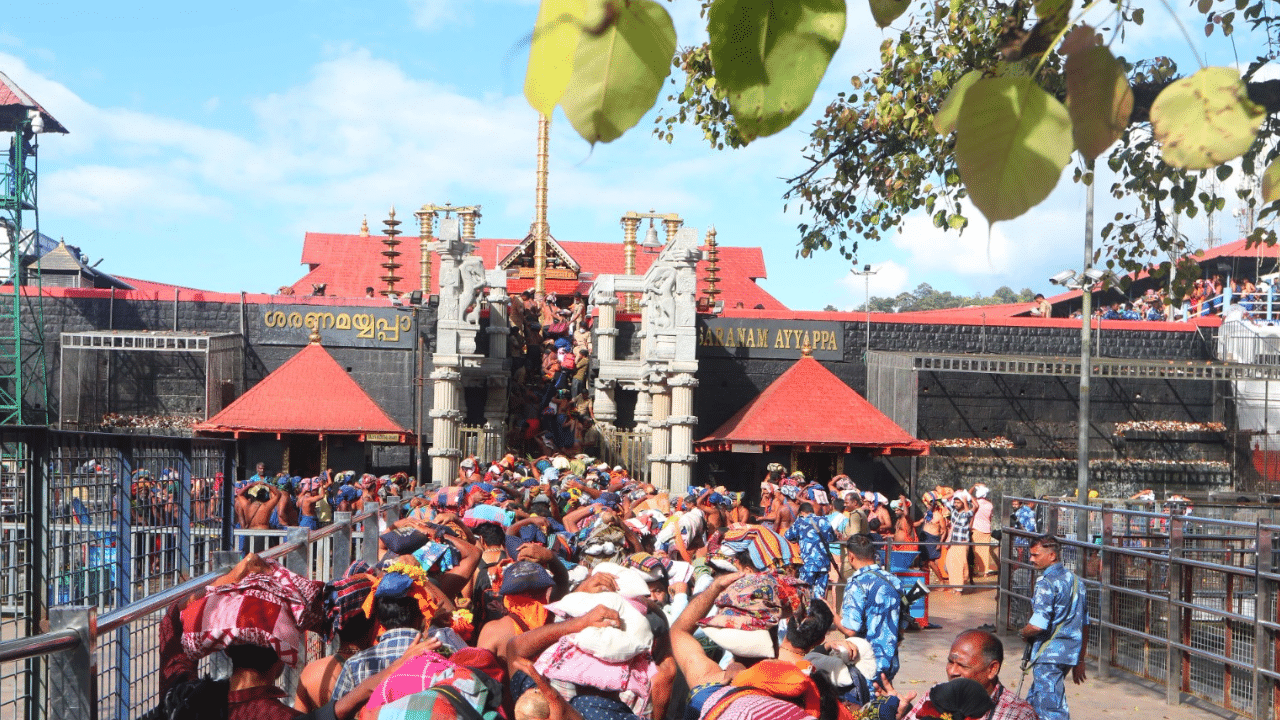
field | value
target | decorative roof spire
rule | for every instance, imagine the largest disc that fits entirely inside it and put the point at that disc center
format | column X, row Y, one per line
column 806, row 350
column 391, row 253
column 364, row 227
column 713, row 267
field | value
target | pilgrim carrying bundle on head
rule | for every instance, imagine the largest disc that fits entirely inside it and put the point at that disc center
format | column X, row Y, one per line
column 270, row 609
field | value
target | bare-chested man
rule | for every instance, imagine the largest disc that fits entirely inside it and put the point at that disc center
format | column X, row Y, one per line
column 256, row 507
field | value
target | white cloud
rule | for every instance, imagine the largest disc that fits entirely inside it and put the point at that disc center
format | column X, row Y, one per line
column 890, row 279
column 979, row 250
column 431, row 14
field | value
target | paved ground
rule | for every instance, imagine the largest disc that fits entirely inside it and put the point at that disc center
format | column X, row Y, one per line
column 924, row 657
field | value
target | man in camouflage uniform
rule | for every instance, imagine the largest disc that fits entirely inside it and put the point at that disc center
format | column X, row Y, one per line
column 1058, row 631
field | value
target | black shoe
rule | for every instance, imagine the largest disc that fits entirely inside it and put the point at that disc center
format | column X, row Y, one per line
column 933, row 626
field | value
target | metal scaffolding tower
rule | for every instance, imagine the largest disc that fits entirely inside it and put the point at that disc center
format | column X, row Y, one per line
column 23, row 370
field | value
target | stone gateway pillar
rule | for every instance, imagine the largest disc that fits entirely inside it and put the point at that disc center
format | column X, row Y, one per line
column 660, row 437
column 682, row 422
column 446, row 414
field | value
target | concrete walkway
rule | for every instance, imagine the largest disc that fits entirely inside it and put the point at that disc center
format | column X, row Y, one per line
column 924, row 659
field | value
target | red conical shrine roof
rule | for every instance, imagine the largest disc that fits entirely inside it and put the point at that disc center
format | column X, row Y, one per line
column 310, row 394
column 808, row 406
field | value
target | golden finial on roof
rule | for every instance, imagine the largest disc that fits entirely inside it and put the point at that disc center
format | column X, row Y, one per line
column 314, row 338
column 806, row 350
column 364, row 227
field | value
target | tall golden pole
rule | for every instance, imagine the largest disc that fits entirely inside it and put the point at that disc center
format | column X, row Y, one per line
column 426, row 220
column 540, row 227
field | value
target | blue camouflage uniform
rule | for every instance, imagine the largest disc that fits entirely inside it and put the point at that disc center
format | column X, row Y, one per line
column 815, row 537
column 1059, row 605
column 1026, row 519
column 872, row 607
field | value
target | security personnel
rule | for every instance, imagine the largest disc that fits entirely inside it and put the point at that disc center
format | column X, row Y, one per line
column 1058, row 631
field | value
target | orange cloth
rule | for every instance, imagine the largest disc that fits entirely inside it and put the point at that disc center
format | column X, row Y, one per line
column 427, row 604
column 782, row 679
column 527, row 610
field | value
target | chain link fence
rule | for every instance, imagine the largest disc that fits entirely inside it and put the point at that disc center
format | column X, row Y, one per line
column 1182, row 600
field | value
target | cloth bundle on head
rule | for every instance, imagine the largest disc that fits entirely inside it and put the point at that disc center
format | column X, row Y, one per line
column 767, row 549
column 486, row 513
column 843, row 483
column 434, row 553
column 439, row 688
column 611, row 644
column 270, row 610
column 653, row 568
column 344, row 600
column 981, row 491
column 776, row 468
column 959, row 699
column 603, row 544
column 782, row 679
column 790, row 492
column 631, row 582
column 768, row 488
column 751, row 603
column 560, row 463
column 401, row 580
column 523, row 587
column 816, row 495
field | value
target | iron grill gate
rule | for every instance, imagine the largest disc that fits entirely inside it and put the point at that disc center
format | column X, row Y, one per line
column 101, row 520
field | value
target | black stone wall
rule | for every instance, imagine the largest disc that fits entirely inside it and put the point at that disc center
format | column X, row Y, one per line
column 158, row 383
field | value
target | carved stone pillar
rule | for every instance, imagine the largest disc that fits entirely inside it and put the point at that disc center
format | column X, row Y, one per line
column 660, row 436
column 495, row 416
column 682, row 422
column 644, row 407
column 606, row 330
column 605, row 406
column 446, row 414
column 498, row 328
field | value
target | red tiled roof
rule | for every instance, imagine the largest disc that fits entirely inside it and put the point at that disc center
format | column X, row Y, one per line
column 350, row 263
column 809, row 406
column 13, row 100
column 309, row 394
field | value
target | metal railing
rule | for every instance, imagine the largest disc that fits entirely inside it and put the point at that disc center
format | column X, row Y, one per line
column 1184, row 601
column 83, row 680
column 628, row 448
column 481, row 442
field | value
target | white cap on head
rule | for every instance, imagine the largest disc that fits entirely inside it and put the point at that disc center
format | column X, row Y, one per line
column 980, row 491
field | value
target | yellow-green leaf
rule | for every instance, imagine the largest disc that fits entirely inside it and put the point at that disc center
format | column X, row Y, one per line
column 618, row 73
column 1098, row 98
column 770, row 55
column 555, row 38
column 944, row 121
column 1271, row 182
column 886, row 11
column 1012, row 141
column 1205, row 120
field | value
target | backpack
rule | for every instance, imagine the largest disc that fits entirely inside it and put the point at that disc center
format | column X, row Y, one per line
column 202, row 699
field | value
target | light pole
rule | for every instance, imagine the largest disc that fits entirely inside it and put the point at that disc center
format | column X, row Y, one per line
column 1083, row 282
column 866, row 274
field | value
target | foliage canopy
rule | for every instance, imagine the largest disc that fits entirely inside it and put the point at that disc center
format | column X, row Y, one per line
column 976, row 99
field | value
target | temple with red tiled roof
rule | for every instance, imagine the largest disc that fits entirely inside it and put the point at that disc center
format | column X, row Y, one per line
column 347, row 264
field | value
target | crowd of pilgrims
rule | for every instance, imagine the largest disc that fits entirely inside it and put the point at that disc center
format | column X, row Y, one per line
column 550, row 348
column 561, row 589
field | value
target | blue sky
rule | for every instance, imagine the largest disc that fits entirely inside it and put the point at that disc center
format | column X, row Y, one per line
column 207, row 138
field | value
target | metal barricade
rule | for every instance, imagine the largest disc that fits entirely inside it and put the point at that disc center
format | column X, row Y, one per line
column 80, row 654
column 1186, row 601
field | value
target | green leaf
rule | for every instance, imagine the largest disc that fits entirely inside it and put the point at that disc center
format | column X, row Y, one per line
column 618, row 73
column 886, row 11
column 1205, row 120
column 555, row 38
column 1012, row 141
column 944, row 121
column 770, row 55
column 1098, row 98
column 1271, row 182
